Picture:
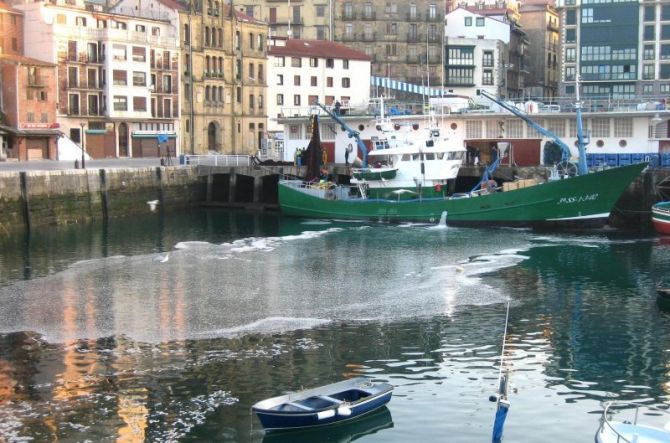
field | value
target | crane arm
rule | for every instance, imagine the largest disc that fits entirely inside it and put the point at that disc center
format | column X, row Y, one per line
column 565, row 150
column 350, row 132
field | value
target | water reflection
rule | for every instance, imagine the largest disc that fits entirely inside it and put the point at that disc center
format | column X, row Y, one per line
column 342, row 433
column 134, row 349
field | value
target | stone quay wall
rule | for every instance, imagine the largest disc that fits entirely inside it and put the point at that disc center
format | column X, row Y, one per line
column 34, row 198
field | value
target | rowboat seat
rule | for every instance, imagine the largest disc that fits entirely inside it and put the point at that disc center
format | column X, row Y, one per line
column 331, row 399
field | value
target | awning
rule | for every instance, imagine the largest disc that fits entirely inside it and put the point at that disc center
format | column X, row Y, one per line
column 39, row 132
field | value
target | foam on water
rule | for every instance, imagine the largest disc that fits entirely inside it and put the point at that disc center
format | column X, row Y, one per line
column 269, row 325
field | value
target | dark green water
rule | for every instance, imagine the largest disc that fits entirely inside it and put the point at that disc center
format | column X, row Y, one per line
column 170, row 329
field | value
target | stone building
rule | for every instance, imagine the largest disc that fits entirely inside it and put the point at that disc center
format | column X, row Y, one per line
column 403, row 39
column 540, row 21
column 310, row 20
column 225, row 80
column 28, row 126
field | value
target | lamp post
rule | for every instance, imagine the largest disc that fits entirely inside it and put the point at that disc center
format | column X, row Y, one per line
column 83, row 146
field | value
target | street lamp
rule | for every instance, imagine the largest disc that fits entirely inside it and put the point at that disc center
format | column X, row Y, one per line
column 83, row 146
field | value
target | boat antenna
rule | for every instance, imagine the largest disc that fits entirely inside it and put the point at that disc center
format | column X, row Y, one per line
column 501, row 397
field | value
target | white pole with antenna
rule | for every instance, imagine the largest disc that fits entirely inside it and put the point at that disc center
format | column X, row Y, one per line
column 288, row 15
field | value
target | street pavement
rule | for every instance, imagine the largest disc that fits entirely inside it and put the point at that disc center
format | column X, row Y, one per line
column 52, row 165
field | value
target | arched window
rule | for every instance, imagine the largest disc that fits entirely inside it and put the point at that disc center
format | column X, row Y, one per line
column 212, row 136
column 221, row 94
column 206, row 93
column 206, row 35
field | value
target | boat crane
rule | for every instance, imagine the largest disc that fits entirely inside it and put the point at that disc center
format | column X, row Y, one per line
column 350, row 132
column 565, row 150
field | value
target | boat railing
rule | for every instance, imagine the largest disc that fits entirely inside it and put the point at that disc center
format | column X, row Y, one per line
column 611, row 406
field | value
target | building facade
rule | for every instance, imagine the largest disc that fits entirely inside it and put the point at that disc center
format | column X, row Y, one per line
column 118, row 77
column 304, row 72
column 621, row 50
column 28, row 126
column 541, row 23
column 225, row 80
column 301, row 19
column 403, row 39
column 476, row 53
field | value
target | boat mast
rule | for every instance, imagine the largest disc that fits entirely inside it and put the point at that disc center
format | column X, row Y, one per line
column 581, row 144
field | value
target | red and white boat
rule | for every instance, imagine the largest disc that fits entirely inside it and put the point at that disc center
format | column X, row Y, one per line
column 660, row 216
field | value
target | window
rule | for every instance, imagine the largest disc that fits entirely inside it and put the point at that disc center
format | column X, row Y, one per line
column 313, row 62
column 251, row 102
column 120, row 103
column 432, row 11
column 571, row 35
column 329, row 82
column 167, row 83
column 280, row 99
column 570, row 54
column 140, row 28
column 587, row 15
column 346, row 82
column 139, row 54
column 320, row 10
column 155, row 31
column 487, row 59
column 665, row 32
column 280, row 79
column 665, row 52
column 391, row 28
column 345, row 64
column 468, row 21
column 649, row 13
column 648, row 88
column 139, row 78
column 119, row 25
column 330, row 63
column 570, row 72
column 72, row 77
column 312, row 100
column 296, row 62
column 280, row 62
column 487, row 77
column 313, row 81
column 166, row 60
column 296, row 99
column 664, row 72
column 649, row 32
column 61, row 19
column 167, row 108
column 665, row 12
column 479, row 21
column 296, row 80
column 647, row 72
column 119, row 77
column 460, row 76
column 252, row 71
column 252, row 42
column 260, row 102
column 80, row 21
column 139, row 103
column 73, row 104
column 648, row 53
column 348, row 10
column 571, row 17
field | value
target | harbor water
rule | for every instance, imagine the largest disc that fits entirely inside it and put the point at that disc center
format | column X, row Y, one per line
column 168, row 328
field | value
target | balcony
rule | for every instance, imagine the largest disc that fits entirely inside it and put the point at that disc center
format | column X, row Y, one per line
column 414, row 37
column 368, row 16
column 369, row 36
column 413, row 16
column 434, row 18
column 36, row 81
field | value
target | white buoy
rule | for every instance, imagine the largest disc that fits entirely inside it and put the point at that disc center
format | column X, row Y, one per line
column 152, row 205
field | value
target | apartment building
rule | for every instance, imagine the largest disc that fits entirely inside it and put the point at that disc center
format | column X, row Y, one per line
column 620, row 49
column 118, row 76
column 301, row 19
column 541, row 22
column 403, row 39
column 224, row 81
column 476, row 53
column 28, row 126
column 304, row 72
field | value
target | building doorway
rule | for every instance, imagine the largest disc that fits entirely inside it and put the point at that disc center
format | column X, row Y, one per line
column 123, row 140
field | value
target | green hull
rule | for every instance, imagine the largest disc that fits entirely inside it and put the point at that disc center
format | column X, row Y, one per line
column 578, row 201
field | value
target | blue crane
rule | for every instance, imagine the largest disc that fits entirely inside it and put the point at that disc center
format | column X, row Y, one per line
column 565, row 150
column 350, row 132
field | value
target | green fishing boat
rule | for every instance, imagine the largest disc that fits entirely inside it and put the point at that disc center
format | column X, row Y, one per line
column 584, row 200
column 425, row 165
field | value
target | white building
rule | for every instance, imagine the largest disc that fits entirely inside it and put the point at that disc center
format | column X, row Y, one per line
column 118, row 75
column 476, row 53
column 302, row 72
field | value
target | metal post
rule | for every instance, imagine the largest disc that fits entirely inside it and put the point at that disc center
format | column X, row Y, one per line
column 83, row 146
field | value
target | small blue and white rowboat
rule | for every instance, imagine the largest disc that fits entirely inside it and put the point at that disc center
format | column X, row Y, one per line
column 333, row 403
column 629, row 429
